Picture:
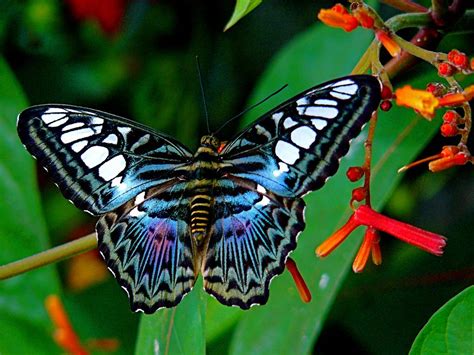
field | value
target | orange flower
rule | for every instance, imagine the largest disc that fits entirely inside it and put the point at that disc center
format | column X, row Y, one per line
column 364, row 215
column 303, row 290
column 422, row 101
column 388, row 42
column 338, row 16
column 450, row 156
column 64, row 334
column 458, row 98
column 66, row 337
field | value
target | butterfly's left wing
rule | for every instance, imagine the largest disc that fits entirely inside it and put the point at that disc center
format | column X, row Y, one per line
column 294, row 148
column 99, row 161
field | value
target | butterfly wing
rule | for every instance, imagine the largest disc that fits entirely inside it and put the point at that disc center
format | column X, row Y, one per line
column 253, row 232
column 99, row 161
column 258, row 210
column 147, row 246
column 294, row 148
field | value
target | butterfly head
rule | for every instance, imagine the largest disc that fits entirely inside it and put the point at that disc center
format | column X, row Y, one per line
column 210, row 142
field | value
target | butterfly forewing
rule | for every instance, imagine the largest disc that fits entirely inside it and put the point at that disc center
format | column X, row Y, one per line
column 294, row 148
column 99, row 161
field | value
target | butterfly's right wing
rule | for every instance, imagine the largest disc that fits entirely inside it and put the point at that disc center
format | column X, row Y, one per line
column 99, row 161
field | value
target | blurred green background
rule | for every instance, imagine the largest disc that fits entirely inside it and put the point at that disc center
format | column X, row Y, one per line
column 137, row 59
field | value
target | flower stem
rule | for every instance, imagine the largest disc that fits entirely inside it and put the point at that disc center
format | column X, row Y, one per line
column 405, row 5
column 49, row 256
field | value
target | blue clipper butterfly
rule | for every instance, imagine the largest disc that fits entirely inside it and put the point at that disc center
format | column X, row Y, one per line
column 231, row 214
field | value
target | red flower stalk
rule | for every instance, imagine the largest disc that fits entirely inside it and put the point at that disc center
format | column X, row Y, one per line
column 64, row 334
column 364, row 215
column 301, row 286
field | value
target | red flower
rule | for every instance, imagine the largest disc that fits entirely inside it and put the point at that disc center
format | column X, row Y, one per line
column 364, row 215
column 108, row 13
column 338, row 16
column 301, row 286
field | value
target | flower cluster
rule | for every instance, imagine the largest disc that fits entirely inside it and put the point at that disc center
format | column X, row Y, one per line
column 456, row 122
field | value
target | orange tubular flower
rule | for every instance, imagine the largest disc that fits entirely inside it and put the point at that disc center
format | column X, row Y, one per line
column 389, row 44
column 450, row 156
column 301, row 286
column 458, row 98
column 338, row 16
column 64, row 334
column 422, row 101
column 364, row 215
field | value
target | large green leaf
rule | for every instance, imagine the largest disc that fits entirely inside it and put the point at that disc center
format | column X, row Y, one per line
column 178, row 330
column 451, row 329
column 23, row 321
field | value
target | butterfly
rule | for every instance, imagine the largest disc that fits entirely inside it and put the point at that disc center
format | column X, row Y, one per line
column 232, row 213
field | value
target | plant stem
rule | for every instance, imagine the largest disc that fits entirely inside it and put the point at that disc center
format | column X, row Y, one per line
column 49, row 256
column 405, row 5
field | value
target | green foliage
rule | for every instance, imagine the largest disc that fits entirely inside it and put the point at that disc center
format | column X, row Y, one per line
column 22, row 233
column 242, row 8
column 450, row 330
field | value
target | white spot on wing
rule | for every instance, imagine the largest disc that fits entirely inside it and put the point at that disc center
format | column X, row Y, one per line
column 124, row 130
column 136, row 212
column 343, row 82
column 77, row 147
column 264, row 201
column 140, row 198
column 261, row 189
column 112, row 168
column 97, row 120
column 289, row 122
column 277, row 116
column 94, row 156
column 73, row 126
column 340, row 96
column 287, row 152
column 53, row 114
column 325, row 102
column 320, row 111
column 111, row 139
column 303, row 136
column 59, row 122
column 116, row 181
column 319, row 123
column 302, row 101
column 72, row 136
column 283, row 168
column 350, row 89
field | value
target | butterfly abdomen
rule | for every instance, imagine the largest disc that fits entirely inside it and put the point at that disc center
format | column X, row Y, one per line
column 201, row 204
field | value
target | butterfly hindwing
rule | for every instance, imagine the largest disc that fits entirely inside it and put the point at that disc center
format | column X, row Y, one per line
column 98, row 160
column 253, row 232
column 294, row 148
column 147, row 246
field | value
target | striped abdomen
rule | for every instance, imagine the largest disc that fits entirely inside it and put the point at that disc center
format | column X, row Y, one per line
column 201, row 204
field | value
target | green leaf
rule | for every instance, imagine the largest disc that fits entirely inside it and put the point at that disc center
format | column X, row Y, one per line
column 178, row 330
column 318, row 55
column 242, row 8
column 451, row 329
column 22, row 233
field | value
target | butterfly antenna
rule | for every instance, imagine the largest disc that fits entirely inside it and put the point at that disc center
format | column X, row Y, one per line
column 250, row 108
column 198, row 66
